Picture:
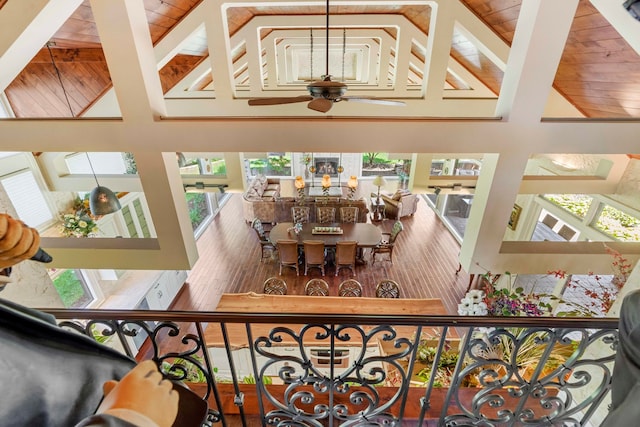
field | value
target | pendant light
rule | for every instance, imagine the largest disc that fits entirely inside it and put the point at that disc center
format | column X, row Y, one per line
column 102, row 201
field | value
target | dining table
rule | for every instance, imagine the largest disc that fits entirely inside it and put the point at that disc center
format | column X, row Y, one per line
column 367, row 235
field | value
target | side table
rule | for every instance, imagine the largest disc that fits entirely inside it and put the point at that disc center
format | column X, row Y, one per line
column 377, row 209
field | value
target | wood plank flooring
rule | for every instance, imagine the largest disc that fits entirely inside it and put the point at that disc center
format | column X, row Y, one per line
column 425, row 261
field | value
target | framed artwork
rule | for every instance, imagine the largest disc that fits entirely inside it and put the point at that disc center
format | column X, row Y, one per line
column 515, row 216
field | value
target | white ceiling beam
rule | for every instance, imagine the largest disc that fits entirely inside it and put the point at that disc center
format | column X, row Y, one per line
column 27, row 26
column 306, row 134
column 126, row 42
column 621, row 20
column 541, row 33
column 481, row 35
column 254, row 59
column 219, row 49
column 172, row 42
column 438, row 50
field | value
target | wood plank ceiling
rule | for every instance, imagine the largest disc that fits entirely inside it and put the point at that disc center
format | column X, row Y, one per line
column 599, row 72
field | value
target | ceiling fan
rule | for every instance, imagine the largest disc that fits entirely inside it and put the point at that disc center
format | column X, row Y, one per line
column 323, row 93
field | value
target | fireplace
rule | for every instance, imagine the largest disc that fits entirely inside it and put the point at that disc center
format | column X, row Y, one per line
column 326, row 166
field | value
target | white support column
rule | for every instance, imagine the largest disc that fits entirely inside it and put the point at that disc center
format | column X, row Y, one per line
column 219, row 50
column 385, row 61
column 26, row 27
column 254, row 59
column 403, row 57
column 272, row 69
column 438, row 50
column 541, row 33
column 495, row 188
column 164, row 193
column 126, row 42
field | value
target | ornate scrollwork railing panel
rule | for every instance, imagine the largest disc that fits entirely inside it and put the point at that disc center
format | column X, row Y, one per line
column 189, row 365
column 531, row 376
column 317, row 385
column 518, row 372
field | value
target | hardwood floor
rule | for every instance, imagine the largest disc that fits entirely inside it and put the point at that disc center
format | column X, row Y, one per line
column 425, row 261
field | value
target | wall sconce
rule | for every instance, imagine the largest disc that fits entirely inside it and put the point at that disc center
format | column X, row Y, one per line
column 326, row 184
column 352, row 184
column 299, row 184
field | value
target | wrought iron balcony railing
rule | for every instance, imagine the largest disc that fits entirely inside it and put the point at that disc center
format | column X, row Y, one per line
column 318, row 370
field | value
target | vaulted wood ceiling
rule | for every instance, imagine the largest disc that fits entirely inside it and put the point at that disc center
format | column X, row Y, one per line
column 599, row 72
column 458, row 65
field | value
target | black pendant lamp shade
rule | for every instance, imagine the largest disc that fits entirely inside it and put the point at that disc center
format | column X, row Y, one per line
column 103, row 201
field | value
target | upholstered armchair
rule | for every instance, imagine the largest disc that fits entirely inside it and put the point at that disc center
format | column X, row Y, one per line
column 402, row 203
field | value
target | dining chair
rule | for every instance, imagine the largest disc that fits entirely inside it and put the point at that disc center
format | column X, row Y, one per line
column 267, row 247
column 313, row 255
column 346, row 255
column 274, row 286
column 387, row 243
column 325, row 215
column 349, row 214
column 316, row 287
column 300, row 214
column 288, row 250
column 350, row 288
column 387, row 288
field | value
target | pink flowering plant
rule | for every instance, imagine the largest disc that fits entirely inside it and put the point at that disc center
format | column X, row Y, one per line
column 601, row 292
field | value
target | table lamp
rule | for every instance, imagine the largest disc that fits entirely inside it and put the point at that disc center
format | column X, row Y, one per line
column 379, row 181
column 326, row 184
column 353, row 185
column 299, row 183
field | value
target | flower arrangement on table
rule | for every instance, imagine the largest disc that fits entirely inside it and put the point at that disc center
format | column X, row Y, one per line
column 297, row 228
column 74, row 225
column 79, row 222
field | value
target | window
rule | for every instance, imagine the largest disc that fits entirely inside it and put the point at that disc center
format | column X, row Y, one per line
column 71, row 287
column 202, row 164
column 618, row 224
column 577, row 204
column 102, row 163
column 27, row 198
column 269, row 164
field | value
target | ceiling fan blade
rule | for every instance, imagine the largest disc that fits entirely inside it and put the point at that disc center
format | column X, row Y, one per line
column 320, row 104
column 373, row 101
column 278, row 101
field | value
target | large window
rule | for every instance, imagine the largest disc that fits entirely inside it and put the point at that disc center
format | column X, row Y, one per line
column 576, row 204
column 212, row 164
column 268, row 164
column 618, row 224
column 452, row 167
column 72, row 287
column 27, row 198
column 102, row 163
column 387, row 164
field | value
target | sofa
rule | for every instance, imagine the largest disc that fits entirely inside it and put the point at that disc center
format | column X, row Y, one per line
column 260, row 198
column 399, row 204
